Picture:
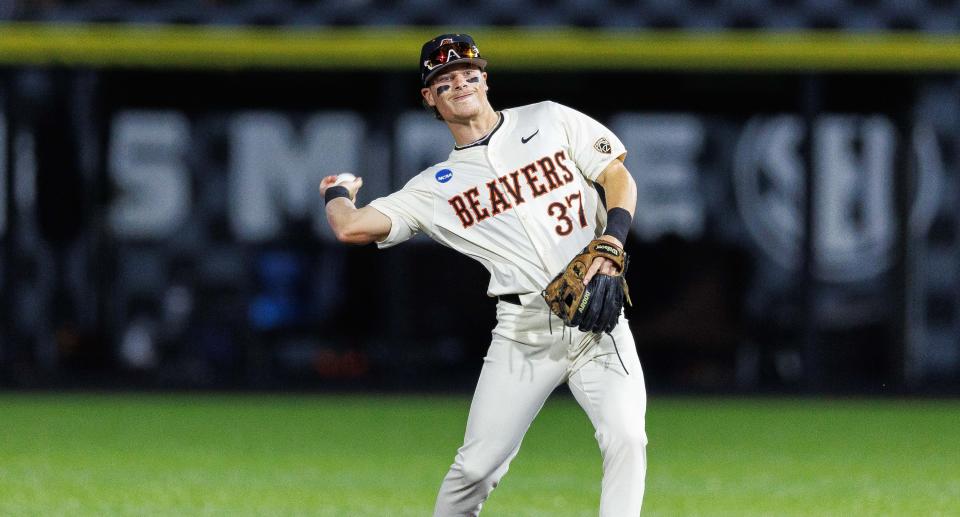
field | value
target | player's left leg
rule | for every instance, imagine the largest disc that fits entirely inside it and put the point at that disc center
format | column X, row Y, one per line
column 616, row 404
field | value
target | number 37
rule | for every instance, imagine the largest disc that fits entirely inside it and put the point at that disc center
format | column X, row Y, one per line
column 559, row 210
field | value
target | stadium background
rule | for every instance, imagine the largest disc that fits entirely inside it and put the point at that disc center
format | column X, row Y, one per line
column 797, row 162
column 161, row 227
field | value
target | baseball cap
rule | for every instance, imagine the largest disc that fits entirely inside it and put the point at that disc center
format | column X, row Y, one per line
column 445, row 50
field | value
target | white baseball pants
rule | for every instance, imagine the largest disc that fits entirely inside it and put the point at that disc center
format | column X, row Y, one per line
column 517, row 377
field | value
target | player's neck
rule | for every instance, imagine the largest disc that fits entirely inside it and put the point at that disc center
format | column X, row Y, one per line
column 467, row 131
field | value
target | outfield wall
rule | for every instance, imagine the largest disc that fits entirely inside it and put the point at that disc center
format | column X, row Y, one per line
column 161, row 225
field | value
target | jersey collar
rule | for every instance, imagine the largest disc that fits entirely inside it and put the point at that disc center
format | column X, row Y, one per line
column 485, row 139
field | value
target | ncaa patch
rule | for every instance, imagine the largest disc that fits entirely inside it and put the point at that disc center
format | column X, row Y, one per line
column 602, row 145
column 444, row 175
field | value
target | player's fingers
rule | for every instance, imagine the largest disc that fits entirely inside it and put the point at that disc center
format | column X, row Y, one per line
column 603, row 266
column 592, row 270
column 353, row 186
column 608, row 268
column 326, row 182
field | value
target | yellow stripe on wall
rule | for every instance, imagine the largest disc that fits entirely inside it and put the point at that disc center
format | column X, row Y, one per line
column 209, row 47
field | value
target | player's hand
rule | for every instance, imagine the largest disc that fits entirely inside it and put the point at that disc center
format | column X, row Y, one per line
column 603, row 265
column 352, row 186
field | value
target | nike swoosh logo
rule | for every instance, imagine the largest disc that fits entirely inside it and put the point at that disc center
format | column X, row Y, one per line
column 527, row 139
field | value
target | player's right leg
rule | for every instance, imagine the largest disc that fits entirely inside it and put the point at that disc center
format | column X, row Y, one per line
column 514, row 383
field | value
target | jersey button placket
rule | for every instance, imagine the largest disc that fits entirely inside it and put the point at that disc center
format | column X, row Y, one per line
column 497, row 168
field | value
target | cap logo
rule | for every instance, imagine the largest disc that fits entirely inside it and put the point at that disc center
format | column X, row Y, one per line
column 602, row 145
column 451, row 56
column 446, row 49
column 444, row 175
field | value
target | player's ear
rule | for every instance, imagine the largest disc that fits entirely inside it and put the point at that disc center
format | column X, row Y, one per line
column 486, row 87
column 428, row 96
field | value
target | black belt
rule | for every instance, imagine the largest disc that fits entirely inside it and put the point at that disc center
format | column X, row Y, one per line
column 510, row 298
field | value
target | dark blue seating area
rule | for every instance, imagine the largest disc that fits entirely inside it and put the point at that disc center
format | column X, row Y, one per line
column 855, row 15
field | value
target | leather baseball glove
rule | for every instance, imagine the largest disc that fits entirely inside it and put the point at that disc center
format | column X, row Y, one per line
column 594, row 307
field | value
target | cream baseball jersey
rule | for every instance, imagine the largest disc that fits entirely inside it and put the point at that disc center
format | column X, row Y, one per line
column 523, row 204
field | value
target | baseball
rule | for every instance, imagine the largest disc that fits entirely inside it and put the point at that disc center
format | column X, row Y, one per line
column 344, row 178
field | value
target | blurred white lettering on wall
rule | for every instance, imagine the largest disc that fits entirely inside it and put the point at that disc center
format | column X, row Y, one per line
column 146, row 165
column 769, row 186
column 662, row 157
column 275, row 171
column 853, row 163
column 853, row 158
column 930, row 181
column 421, row 141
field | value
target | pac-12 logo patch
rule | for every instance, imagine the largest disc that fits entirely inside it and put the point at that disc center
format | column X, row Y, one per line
column 444, row 175
column 602, row 145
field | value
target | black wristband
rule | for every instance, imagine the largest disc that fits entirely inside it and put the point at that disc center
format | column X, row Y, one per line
column 335, row 192
column 618, row 223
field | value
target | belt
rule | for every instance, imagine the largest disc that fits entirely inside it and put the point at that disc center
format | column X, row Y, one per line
column 510, row 298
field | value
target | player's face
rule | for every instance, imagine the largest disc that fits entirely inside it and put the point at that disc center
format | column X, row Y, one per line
column 458, row 93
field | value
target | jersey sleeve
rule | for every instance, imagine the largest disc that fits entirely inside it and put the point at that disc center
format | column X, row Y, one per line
column 592, row 145
column 409, row 209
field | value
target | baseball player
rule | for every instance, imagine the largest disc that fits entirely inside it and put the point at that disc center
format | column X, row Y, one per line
column 521, row 193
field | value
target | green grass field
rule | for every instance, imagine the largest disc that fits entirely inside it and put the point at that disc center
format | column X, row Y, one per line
column 385, row 455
